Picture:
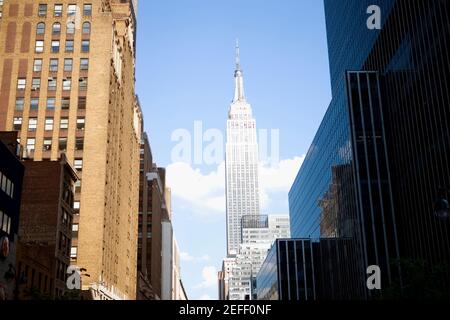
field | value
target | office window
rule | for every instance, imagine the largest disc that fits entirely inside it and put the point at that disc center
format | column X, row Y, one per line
column 78, row 164
column 79, row 143
column 80, row 123
column 71, row 10
column 51, row 103
column 64, row 123
column 85, row 46
column 83, row 83
column 19, row 103
column 39, row 46
column 58, row 10
column 81, row 103
column 62, row 145
column 70, row 27
column 40, row 28
column 87, row 10
column 65, row 103
column 37, row 66
column 34, row 103
column 69, row 45
column 53, row 65
column 48, row 124
column 42, row 11
column 55, row 46
column 86, row 28
column 32, row 124
column 67, row 84
column 21, row 84
column 68, row 64
column 47, row 144
column 84, row 64
column 56, row 29
column 52, row 82
column 36, row 84
column 17, row 123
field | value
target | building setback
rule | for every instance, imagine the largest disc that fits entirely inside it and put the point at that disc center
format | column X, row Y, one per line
column 67, row 85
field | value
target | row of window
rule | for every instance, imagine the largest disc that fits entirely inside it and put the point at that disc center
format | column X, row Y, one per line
column 49, row 124
column 51, row 102
column 62, row 145
column 71, row 10
column 6, row 185
column 54, row 64
column 52, row 84
column 70, row 28
column 55, row 47
column 5, row 222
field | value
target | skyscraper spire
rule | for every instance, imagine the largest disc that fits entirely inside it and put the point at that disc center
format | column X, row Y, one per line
column 238, row 56
column 238, row 78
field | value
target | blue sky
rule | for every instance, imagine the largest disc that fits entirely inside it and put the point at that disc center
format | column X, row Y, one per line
column 185, row 64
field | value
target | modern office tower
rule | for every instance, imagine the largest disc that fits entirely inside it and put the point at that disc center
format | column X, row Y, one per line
column 241, row 160
column 45, row 229
column 378, row 161
column 11, row 177
column 67, row 85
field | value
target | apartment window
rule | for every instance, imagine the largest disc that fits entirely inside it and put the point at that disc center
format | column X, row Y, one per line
column 39, row 46
column 81, row 103
column 62, row 145
column 36, row 84
column 52, row 82
column 69, row 45
column 31, row 142
column 68, row 64
column 86, row 28
column 79, row 143
column 85, row 46
column 32, row 124
column 65, row 103
column 51, row 103
column 42, row 11
column 84, row 64
column 77, row 186
column 47, row 144
column 67, row 84
column 64, row 123
column 37, row 66
column 70, row 27
column 83, row 83
column 40, row 28
column 21, row 84
column 87, row 10
column 80, row 123
column 56, row 29
column 53, row 65
column 71, row 10
column 19, row 103
column 34, row 103
column 48, row 124
column 55, row 46
column 58, row 10
column 78, row 164
column 73, row 252
column 75, row 227
column 17, row 123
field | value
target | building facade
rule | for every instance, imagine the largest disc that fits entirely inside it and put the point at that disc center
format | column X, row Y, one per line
column 67, row 85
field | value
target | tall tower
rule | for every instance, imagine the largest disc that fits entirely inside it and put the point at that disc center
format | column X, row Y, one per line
column 241, row 159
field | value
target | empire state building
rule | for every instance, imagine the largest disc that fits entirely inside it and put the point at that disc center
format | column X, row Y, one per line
column 241, row 163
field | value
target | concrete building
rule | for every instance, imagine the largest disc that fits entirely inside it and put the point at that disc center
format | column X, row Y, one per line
column 67, row 85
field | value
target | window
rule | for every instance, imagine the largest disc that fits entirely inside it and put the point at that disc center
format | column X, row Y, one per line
column 84, row 64
column 36, row 84
column 17, row 123
column 77, row 186
column 78, row 164
column 87, row 10
column 19, row 103
column 47, row 144
column 52, row 84
column 51, row 103
column 68, row 64
column 80, row 123
column 83, row 83
column 79, row 143
column 75, row 227
column 65, row 103
column 53, row 65
column 62, row 144
column 39, row 46
column 48, row 124
column 81, row 103
column 55, row 46
column 85, row 46
column 40, row 28
column 69, row 45
column 42, row 11
column 56, row 29
column 67, row 84
column 86, row 28
column 32, row 124
column 73, row 252
column 37, row 66
column 71, row 10
column 21, row 84
column 70, row 27
column 58, row 10
column 64, row 123
column 34, row 103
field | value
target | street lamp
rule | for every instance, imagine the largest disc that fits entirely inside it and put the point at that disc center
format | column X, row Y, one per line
column 441, row 205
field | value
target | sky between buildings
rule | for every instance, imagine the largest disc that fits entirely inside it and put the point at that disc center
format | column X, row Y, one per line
column 185, row 66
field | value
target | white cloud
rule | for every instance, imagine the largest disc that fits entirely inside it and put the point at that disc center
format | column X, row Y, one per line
column 185, row 256
column 209, row 275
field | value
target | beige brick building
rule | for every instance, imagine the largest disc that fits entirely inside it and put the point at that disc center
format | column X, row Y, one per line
column 67, row 85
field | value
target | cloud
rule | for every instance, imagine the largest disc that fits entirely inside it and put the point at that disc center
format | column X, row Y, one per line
column 209, row 275
column 185, row 256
